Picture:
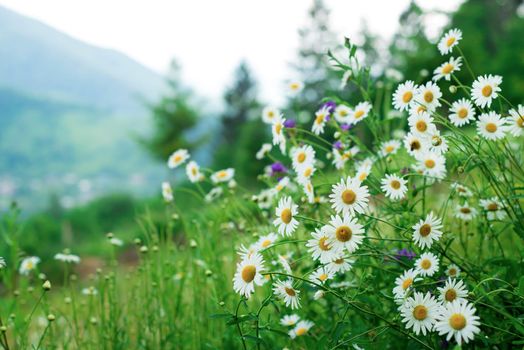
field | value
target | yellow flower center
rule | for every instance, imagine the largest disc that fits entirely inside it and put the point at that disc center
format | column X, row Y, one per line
column 359, row 114
column 343, row 233
column 421, row 126
column 420, row 312
column 465, row 210
column 338, row 261
column 450, row 41
column 408, row 95
column 319, row 119
column 425, row 264
column 343, row 113
column 487, row 91
column 178, row 158
column 407, row 283
column 286, row 215
column 428, row 97
column 29, row 265
column 491, row 127
column 462, row 113
column 457, row 322
column 323, row 245
column 266, row 243
column 323, row 277
column 421, row 109
column 452, row 272
column 294, row 86
column 448, row 68
column 290, row 291
column 425, row 230
column 194, row 171
column 278, row 128
column 248, row 273
column 301, row 331
column 395, row 184
column 348, row 197
column 520, row 121
column 415, row 145
column 450, row 295
column 307, row 172
column 301, row 157
column 363, row 176
column 493, row 207
column 389, row 149
column 270, row 114
column 430, row 163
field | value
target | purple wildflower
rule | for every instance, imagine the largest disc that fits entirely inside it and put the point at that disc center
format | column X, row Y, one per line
column 337, row 145
column 290, row 123
column 331, row 105
column 277, row 168
column 346, row 127
column 405, row 253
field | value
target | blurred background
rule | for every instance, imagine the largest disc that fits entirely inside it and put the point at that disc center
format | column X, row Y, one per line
column 95, row 95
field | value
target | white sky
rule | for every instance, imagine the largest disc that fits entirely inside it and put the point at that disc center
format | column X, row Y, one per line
column 210, row 37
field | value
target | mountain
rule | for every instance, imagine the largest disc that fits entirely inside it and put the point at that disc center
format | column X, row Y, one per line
column 69, row 112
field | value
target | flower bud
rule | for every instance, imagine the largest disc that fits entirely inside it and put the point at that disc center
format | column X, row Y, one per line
column 51, row 317
column 47, row 285
column 453, row 89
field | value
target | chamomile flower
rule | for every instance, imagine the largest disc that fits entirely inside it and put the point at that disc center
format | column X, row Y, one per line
column 302, row 157
column 282, row 183
column 193, row 172
column 29, row 264
column 340, row 264
column 342, row 114
column 284, row 260
column 427, row 264
column 404, row 95
column 321, row 246
column 301, row 329
column 427, row 231
column 248, row 273
column 295, row 87
column 178, row 157
column 394, row 186
column 449, row 40
column 284, row 290
column 485, row 89
column 363, row 171
column 223, row 175
column 457, row 320
column 167, row 192
column 322, row 274
column 285, row 212
column 494, row 208
column 341, row 157
column 437, row 143
column 461, row 112
column 446, row 69
column 345, row 232
column 266, row 241
column 67, row 257
column 289, row 320
column 415, row 144
column 360, row 112
column 309, row 191
column 432, row 164
column 428, row 96
column 454, row 289
column 421, row 124
column 461, row 190
column 388, row 148
column 491, row 126
column 277, row 129
column 465, row 212
column 420, row 312
column 349, row 197
column 320, row 120
column 305, row 173
column 516, row 121
column 265, row 149
column 404, row 283
column 213, row 194
column 453, row 271
column 269, row 113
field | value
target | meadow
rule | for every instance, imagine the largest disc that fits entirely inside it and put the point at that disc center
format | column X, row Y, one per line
column 394, row 222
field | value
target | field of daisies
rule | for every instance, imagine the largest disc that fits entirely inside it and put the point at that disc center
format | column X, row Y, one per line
column 395, row 223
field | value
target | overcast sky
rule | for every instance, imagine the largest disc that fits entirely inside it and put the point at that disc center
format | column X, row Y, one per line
column 210, row 37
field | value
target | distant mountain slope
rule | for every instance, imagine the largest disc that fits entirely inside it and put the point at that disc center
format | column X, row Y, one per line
column 38, row 59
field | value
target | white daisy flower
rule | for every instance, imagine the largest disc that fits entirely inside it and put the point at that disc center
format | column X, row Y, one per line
column 428, row 96
column 421, row 124
column 285, row 212
column 305, row 173
column 249, row 272
column 427, row 231
column 223, row 175
column 295, row 87
column 117, row 242
column 344, row 232
column 427, row 264
column 265, row 198
column 167, row 192
column 432, row 164
column 319, row 294
column 342, row 114
column 302, row 157
column 340, row 264
column 465, row 212
column 461, row 112
column 214, row 194
column 453, row 271
column 446, row 69
column 454, row 289
column 29, row 264
column 341, row 157
column 345, row 78
column 309, row 191
column 284, row 261
column 277, row 129
column 485, row 89
column 265, row 149
column 320, row 120
column 321, row 247
column 348, row 196
column 420, row 312
column 461, row 190
column 321, row 275
column 404, row 94
column 284, row 290
column 269, row 113
column 404, row 283
column 516, row 121
column 282, row 183
column 491, row 126
column 193, row 172
column 301, row 329
column 438, row 143
column 67, row 257
column 363, row 171
column 289, row 320
column 360, row 112
column 178, row 157
column 89, row 291
column 494, row 208
column 415, row 144
column 388, row 148
column 416, row 109
column 266, row 241
column 394, row 186
column 449, row 40
column 458, row 320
